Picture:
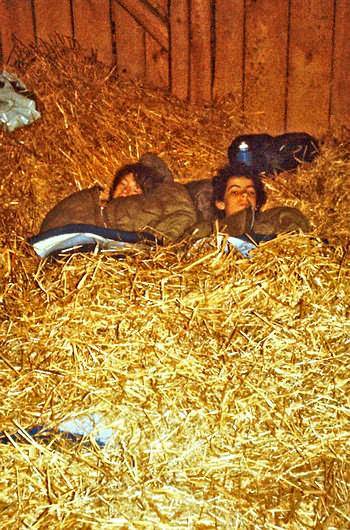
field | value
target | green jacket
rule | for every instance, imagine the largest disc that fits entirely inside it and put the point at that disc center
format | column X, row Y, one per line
column 167, row 210
column 269, row 222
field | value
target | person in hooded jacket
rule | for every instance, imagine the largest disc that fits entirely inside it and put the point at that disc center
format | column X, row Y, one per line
column 238, row 195
column 143, row 197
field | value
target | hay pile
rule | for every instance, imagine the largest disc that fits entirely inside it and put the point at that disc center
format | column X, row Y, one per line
column 225, row 380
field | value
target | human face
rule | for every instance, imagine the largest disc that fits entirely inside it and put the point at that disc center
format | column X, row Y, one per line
column 127, row 186
column 239, row 194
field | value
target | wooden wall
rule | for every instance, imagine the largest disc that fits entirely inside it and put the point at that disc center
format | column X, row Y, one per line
column 285, row 61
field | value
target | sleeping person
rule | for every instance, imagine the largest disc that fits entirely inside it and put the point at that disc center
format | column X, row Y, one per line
column 143, row 197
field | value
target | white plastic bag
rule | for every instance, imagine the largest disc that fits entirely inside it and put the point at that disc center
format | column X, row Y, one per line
column 16, row 109
column 93, row 424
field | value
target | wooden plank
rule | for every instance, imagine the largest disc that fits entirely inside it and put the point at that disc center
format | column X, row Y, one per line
column 340, row 102
column 92, row 27
column 53, row 18
column 157, row 64
column 130, row 44
column 162, row 6
column 179, row 17
column 200, row 51
column 148, row 19
column 17, row 22
column 265, row 76
column 228, row 75
column 3, row 21
column 310, row 59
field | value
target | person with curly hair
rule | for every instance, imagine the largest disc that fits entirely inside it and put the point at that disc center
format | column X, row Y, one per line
column 238, row 195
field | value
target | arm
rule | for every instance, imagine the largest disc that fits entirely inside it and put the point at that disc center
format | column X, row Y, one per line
column 168, row 209
column 280, row 220
column 177, row 213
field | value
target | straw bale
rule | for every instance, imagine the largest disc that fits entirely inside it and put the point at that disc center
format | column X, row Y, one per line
column 225, row 380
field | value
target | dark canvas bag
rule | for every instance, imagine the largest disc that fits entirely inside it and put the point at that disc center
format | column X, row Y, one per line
column 258, row 144
column 292, row 149
column 274, row 154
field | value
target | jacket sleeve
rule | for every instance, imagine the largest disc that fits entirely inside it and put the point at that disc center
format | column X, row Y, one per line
column 168, row 210
column 233, row 225
column 281, row 219
column 178, row 213
column 269, row 222
column 131, row 214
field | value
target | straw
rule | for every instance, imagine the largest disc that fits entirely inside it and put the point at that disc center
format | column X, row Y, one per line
column 224, row 379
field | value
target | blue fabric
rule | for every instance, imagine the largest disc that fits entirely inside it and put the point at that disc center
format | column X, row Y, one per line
column 108, row 233
column 84, row 237
column 245, row 244
column 74, row 430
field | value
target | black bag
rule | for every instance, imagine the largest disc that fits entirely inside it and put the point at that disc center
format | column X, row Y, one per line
column 292, row 149
column 258, row 145
column 274, row 154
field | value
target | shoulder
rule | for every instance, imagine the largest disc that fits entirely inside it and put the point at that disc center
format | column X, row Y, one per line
column 171, row 188
column 281, row 219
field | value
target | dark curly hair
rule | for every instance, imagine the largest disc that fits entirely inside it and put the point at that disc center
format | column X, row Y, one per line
column 146, row 177
column 237, row 170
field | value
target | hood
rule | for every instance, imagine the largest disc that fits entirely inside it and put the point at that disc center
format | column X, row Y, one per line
column 150, row 171
column 152, row 161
